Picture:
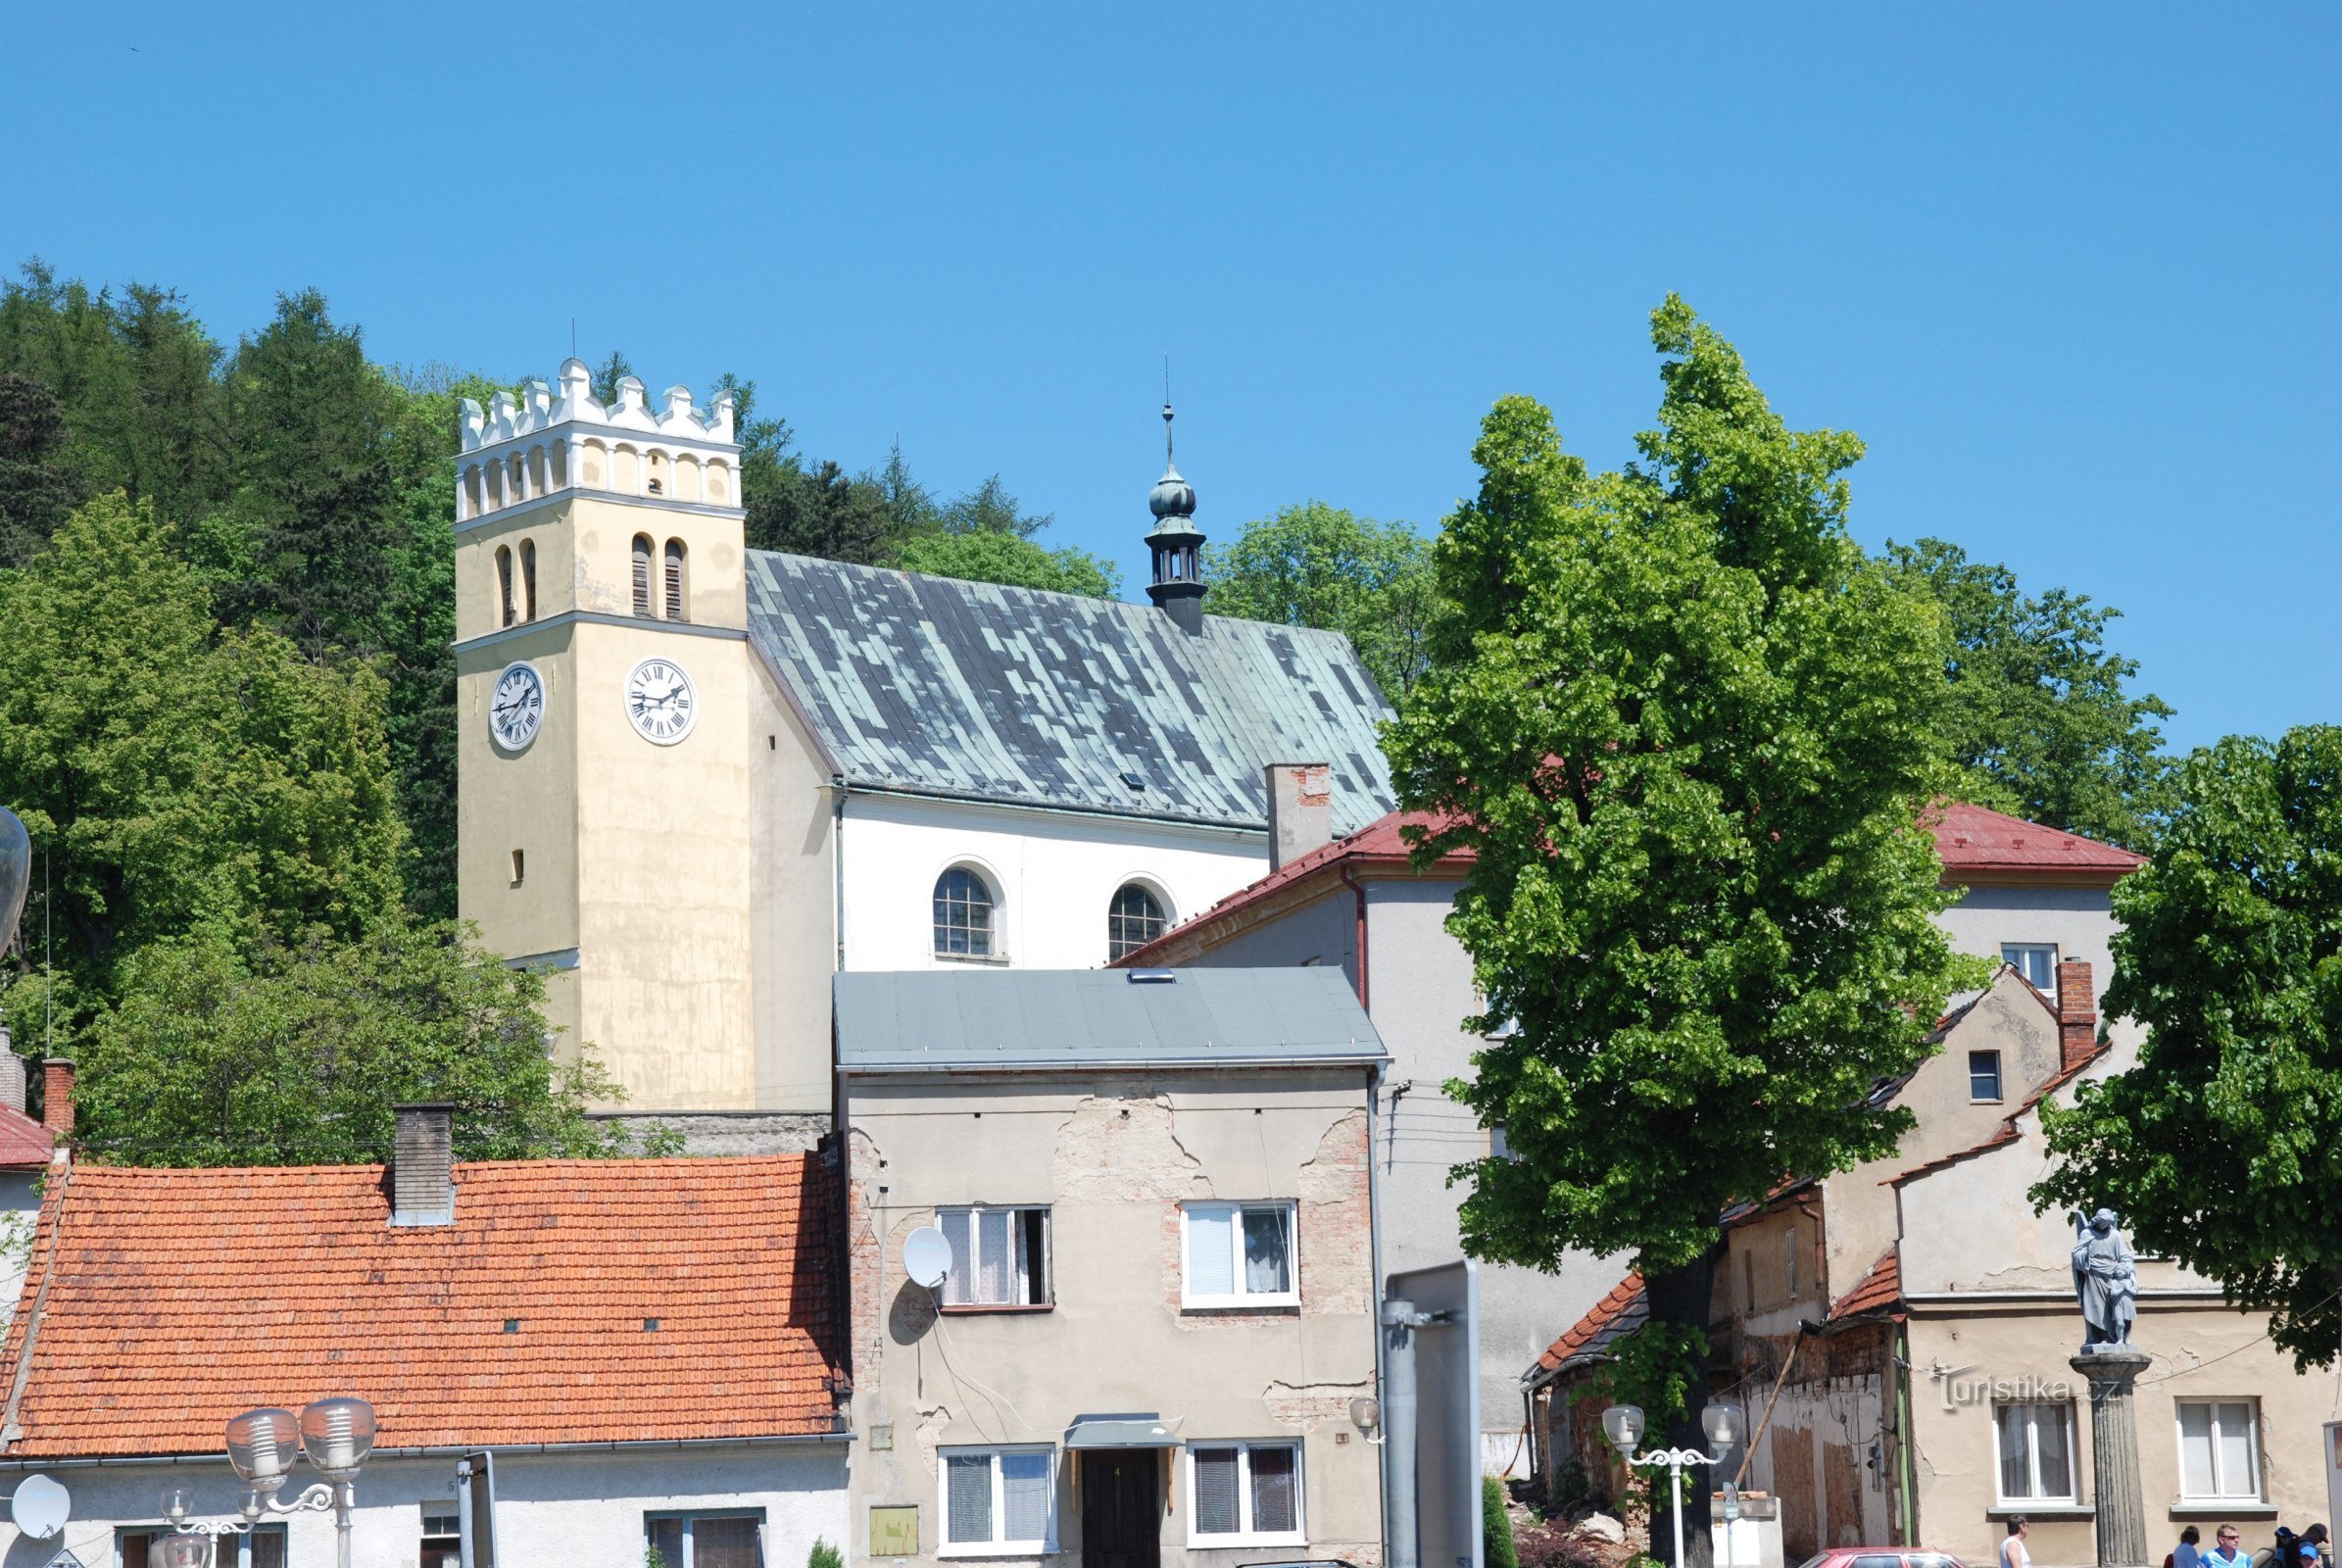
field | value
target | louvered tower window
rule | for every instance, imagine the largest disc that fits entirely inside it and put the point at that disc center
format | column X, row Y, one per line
column 642, row 574
column 503, row 585
column 674, row 580
column 528, row 579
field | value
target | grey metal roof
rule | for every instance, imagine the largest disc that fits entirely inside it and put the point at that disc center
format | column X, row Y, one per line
column 960, row 1020
column 934, row 686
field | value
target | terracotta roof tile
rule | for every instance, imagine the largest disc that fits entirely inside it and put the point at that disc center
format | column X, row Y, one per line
column 1621, row 1311
column 23, row 1141
column 1881, row 1285
column 183, row 1297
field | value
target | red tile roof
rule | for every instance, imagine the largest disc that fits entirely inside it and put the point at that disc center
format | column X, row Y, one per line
column 177, row 1299
column 1973, row 841
column 1623, row 1310
column 1880, row 1286
column 23, row 1141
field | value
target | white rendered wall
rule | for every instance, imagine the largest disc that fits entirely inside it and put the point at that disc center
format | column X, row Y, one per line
column 2078, row 921
column 1053, row 875
column 582, row 1510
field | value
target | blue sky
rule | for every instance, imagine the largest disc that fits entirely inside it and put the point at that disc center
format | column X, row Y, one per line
column 2072, row 271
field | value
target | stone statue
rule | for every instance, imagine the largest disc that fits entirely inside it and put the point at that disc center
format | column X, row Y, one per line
column 2106, row 1279
column 15, row 875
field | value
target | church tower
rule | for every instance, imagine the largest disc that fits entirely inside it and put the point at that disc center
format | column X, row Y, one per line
column 603, row 699
column 1175, row 544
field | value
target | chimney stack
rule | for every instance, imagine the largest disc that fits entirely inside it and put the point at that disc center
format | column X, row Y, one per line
column 12, row 1073
column 2077, row 1016
column 57, row 1097
column 1301, row 809
column 423, row 1168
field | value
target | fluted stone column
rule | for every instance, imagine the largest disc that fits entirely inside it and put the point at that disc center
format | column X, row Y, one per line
column 2122, row 1510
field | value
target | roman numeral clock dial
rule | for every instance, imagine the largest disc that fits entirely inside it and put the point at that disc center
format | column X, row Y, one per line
column 516, row 708
column 659, row 701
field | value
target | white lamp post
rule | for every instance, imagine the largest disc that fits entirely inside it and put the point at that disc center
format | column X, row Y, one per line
column 335, row 1433
column 1723, row 1423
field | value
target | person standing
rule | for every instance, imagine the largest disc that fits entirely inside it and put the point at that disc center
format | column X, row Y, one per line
column 2227, row 1550
column 2011, row 1549
column 2187, row 1554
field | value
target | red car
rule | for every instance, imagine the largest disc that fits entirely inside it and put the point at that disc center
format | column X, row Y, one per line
column 1880, row 1557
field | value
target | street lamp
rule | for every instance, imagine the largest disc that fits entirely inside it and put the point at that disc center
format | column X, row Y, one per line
column 1723, row 1423
column 335, row 1433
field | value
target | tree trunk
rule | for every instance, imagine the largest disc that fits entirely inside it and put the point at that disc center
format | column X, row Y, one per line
column 1680, row 1302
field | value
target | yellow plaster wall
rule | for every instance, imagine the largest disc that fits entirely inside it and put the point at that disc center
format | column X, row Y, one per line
column 793, row 903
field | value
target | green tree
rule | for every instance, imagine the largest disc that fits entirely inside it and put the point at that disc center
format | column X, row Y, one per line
column 2041, row 718
column 36, row 489
column 987, row 508
column 223, row 1053
column 2217, row 1148
column 989, row 556
column 1314, row 565
column 613, row 369
column 315, row 427
column 1688, row 729
column 177, row 773
column 825, row 512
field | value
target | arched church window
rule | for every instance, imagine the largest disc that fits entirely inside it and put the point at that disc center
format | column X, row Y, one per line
column 674, row 580
column 1135, row 918
column 504, row 586
column 642, row 574
column 528, row 579
column 963, row 908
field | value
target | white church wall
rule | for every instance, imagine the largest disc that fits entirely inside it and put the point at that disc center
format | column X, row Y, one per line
column 1052, row 875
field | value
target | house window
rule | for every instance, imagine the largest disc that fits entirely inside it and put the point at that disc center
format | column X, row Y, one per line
column 2036, row 1453
column 2037, row 962
column 1983, row 1075
column 1239, row 1254
column 442, row 1537
column 1000, row 1256
column 2219, row 1451
column 262, row 1547
column 642, row 574
column 705, row 1540
column 963, row 907
column 674, row 580
column 1135, row 918
column 1244, row 1494
column 997, row 1501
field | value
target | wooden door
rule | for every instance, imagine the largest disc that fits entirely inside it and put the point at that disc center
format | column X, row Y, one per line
column 1121, row 1519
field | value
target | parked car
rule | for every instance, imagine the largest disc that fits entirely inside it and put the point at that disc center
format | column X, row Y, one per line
column 1880, row 1557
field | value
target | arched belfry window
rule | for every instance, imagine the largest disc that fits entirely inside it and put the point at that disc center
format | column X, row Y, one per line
column 675, row 581
column 1135, row 918
column 504, row 586
column 963, row 911
column 528, row 579
column 642, row 574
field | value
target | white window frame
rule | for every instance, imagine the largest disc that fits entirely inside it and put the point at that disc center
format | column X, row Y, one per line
column 1048, row 1283
column 1291, row 1296
column 2032, row 1455
column 2252, row 1433
column 945, row 1547
column 1246, row 1536
column 2048, row 989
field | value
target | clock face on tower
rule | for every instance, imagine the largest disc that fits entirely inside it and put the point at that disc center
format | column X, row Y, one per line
column 516, row 708
column 659, row 701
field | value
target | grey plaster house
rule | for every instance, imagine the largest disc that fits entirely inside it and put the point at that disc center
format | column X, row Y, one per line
column 1159, row 1301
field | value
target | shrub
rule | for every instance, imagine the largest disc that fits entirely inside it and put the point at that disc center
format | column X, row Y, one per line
column 824, row 1555
column 1550, row 1544
column 1495, row 1526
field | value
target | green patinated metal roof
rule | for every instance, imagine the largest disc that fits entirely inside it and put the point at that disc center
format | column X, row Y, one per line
column 961, row 1021
column 932, row 686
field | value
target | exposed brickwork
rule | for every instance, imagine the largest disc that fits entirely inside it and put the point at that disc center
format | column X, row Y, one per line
column 2077, row 1016
column 181, row 1298
column 57, row 1097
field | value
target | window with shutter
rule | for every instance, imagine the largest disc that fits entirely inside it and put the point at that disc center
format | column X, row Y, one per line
column 528, row 579
column 504, row 586
column 1244, row 1494
column 999, row 1501
column 674, row 580
column 642, row 574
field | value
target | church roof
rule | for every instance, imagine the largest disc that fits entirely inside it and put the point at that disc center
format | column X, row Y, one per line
column 968, row 690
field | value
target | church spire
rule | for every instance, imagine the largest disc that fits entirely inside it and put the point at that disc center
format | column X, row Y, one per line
column 1174, row 542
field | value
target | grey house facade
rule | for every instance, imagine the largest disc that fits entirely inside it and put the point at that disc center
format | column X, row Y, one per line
column 1160, row 1298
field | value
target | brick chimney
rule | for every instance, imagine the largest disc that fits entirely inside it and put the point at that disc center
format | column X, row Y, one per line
column 2077, row 1016
column 422, row 1167
column 57, row 1096
column 1301, row 809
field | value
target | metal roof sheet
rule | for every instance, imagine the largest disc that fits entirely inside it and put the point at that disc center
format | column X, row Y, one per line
column 962, row 1021
column 934, row 686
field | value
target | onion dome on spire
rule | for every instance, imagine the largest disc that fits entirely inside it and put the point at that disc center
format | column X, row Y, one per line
column 1175, row 543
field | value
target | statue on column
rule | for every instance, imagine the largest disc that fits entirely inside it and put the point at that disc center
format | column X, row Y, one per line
column 2106, row 1281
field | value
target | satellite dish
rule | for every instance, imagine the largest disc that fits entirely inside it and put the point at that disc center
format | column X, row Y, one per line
column 39, row 1506
column 926, row 1256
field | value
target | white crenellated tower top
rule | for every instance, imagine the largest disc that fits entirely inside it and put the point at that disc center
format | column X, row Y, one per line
column 515, row 453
